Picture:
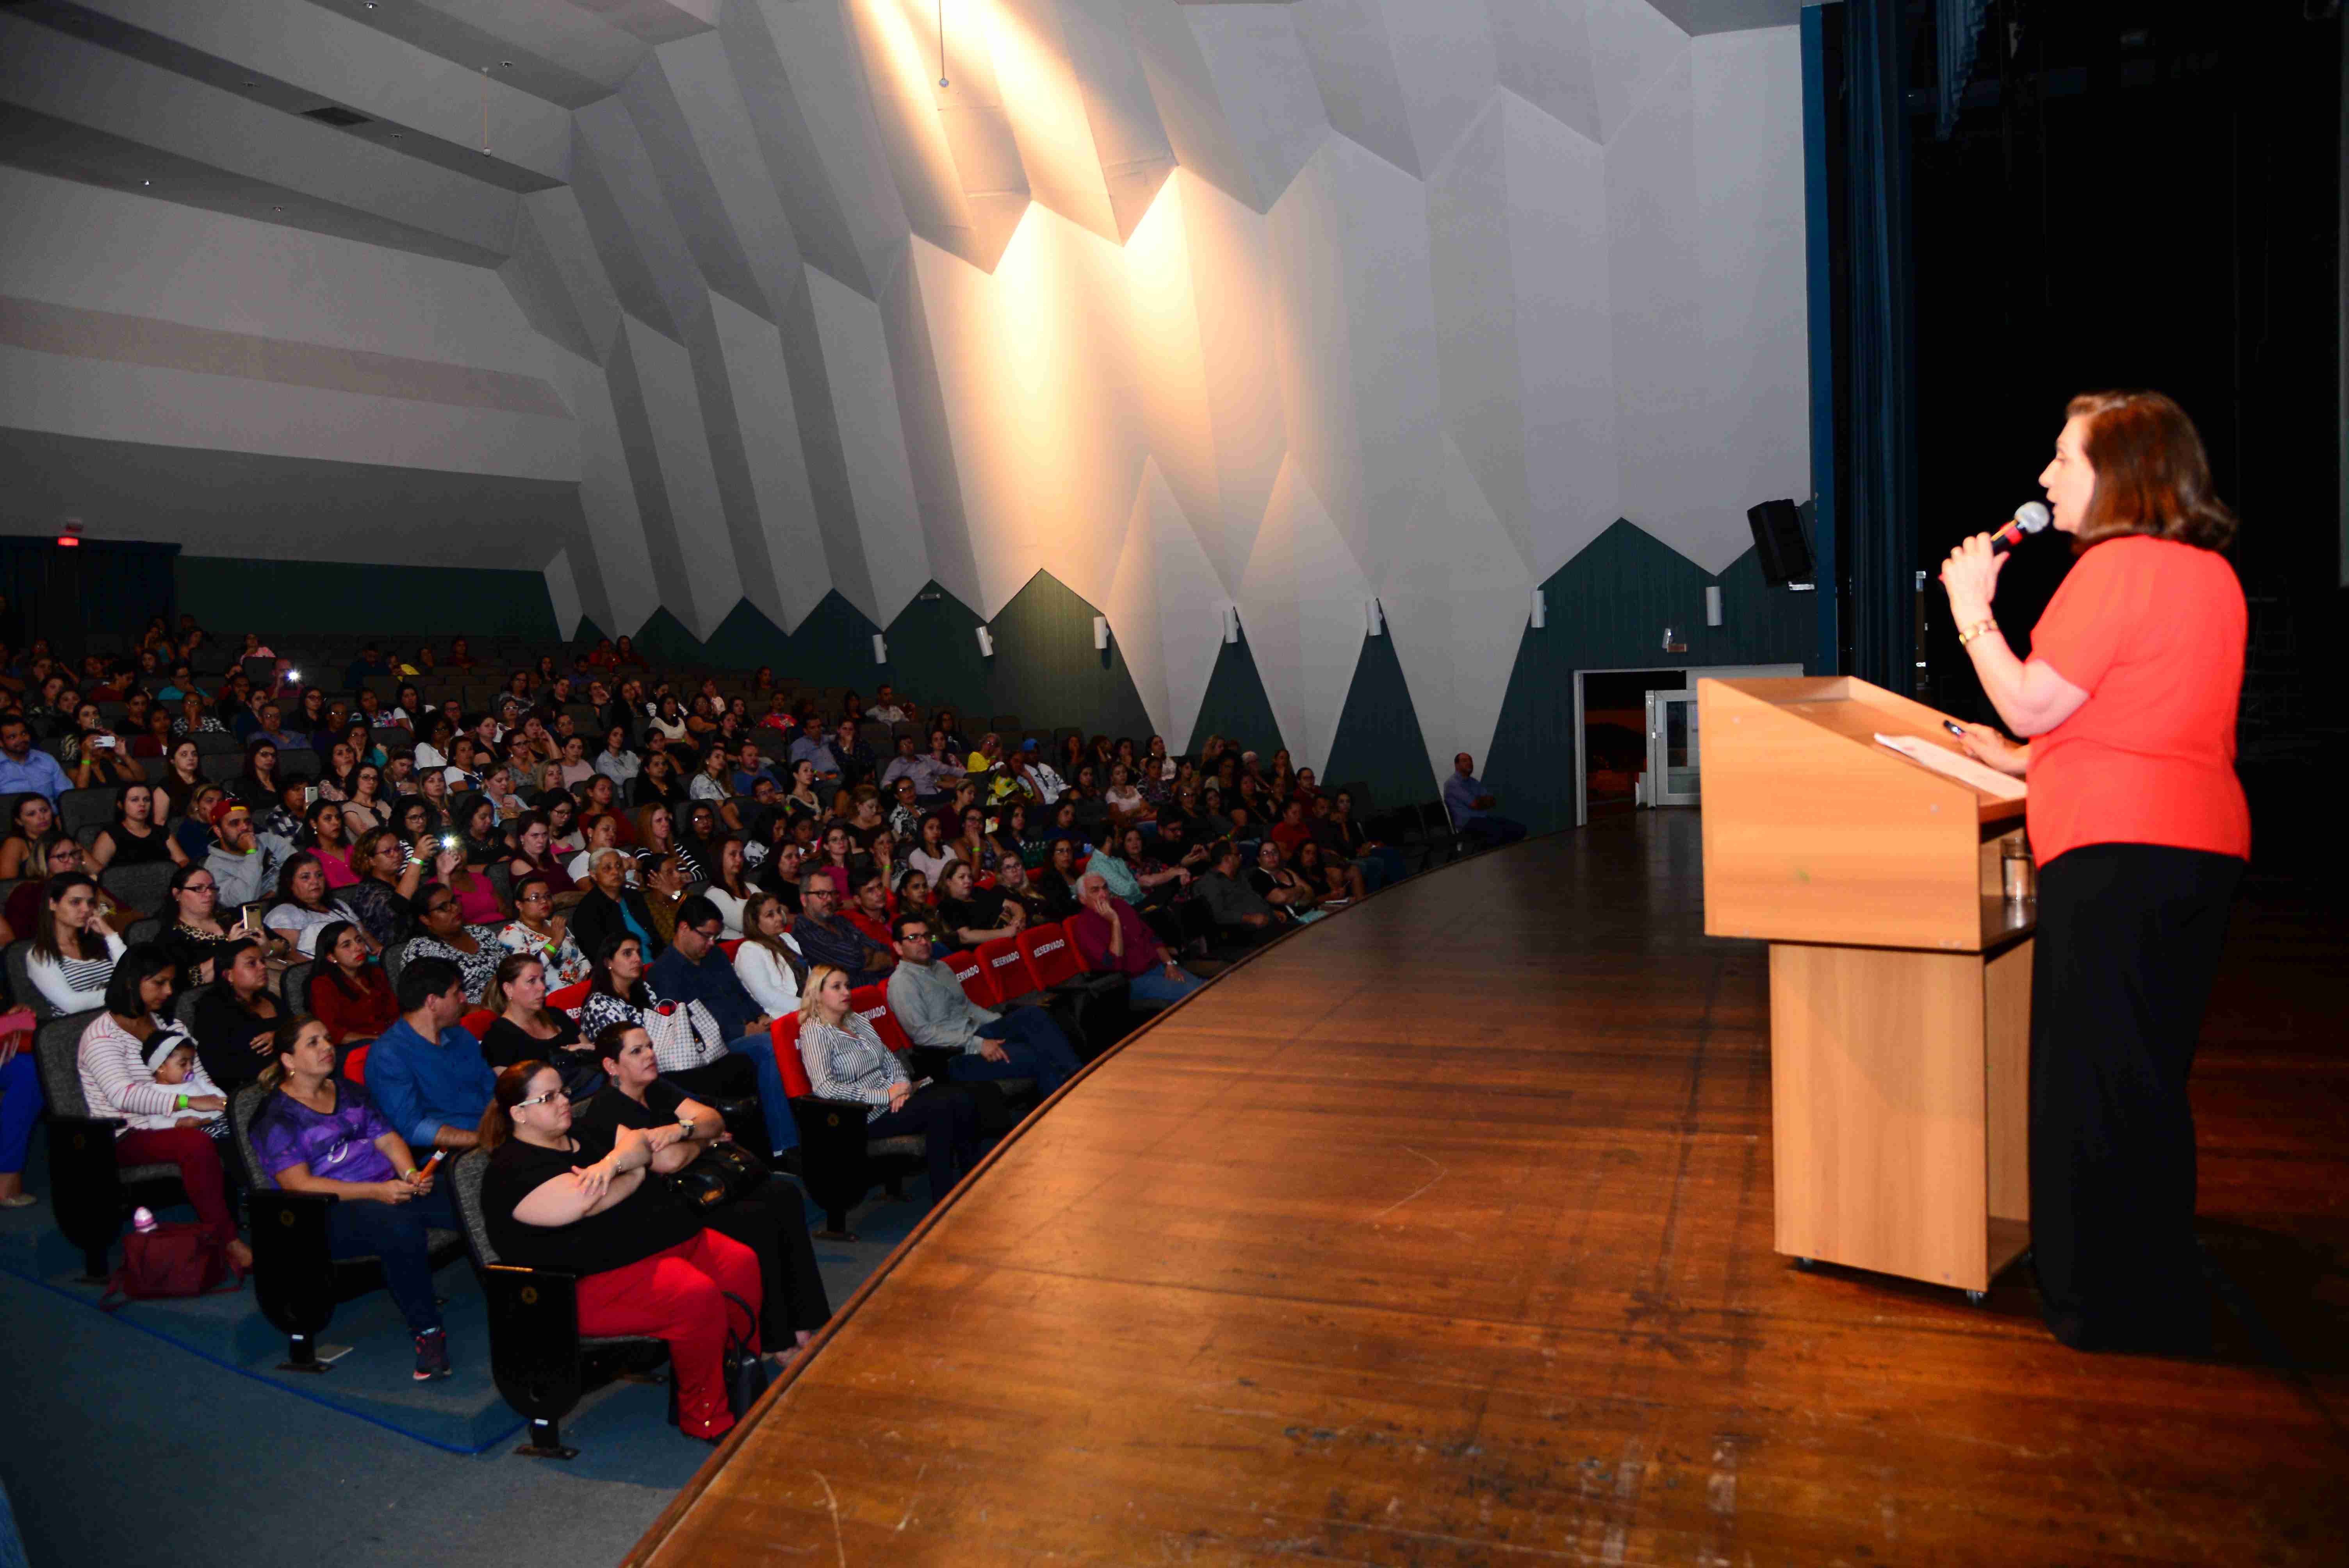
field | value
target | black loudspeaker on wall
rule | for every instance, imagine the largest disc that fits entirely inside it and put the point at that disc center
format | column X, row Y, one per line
column 1779, row 544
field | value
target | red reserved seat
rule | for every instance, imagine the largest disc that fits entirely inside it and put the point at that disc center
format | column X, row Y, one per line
column 1008, row 975
column 354, row 1065
column 970, row 975
column 571, row 997
column 1051, row 954
column 871, row 1003
column 479, row 1020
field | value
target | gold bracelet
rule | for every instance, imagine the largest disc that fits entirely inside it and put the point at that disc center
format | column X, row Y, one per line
column 1967, row 636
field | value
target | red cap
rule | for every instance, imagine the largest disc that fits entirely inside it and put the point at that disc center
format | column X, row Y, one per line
column 223, row 808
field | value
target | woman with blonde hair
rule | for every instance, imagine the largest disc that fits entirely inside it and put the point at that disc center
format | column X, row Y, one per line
column 846, row 1060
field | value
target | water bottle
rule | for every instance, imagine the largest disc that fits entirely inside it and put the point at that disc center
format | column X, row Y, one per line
column 142, row 1219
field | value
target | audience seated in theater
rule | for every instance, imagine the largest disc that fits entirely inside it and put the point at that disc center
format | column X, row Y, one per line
column 381, row 900
column 845, row 1060
column 234, row 1015
column 611, row 907
column 31, row 821
column 542, row 933
column 693, row 970
column 315, row 1132
column 1237, row 909
column 771, row 1221
column 74, row 947
column 1280, row 887
column 1469, row 805
column 769, row 962
column 867, row 905
column 350, row 992
column 686, row 1039
column 730, row 886
column 183, row 1123
column 443, row 933
column 193, row 933
column 24, row 769
column 303, row 907
column 527, row 1029
column 1114, row 939
column 426, row 1069
column 664, row 890
column 827, row 936
column 970, row 914
column 1348, row 837
column 59, row 856
column 325, row 833
column 930, row 1005
column 96, row 755
column 245, row 864
column 1133, row 875
column 645, row 1263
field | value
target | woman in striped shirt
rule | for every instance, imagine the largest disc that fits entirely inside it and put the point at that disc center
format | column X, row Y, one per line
column 74, row 949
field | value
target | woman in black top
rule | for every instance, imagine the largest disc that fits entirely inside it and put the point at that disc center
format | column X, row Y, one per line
column 772, row 1222
column 193, row 934
column 135, row 838
column 527, row 1029
column 257, row 785
column 235, row 1017
column 645, row 1264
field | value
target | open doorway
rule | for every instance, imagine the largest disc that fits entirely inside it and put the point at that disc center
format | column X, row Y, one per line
column 1625, row 693
column 1615, row 734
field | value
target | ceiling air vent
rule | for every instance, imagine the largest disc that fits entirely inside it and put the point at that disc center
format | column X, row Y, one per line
column 342, row 119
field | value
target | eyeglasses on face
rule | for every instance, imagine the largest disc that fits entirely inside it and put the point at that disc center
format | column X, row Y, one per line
column 561, row 1094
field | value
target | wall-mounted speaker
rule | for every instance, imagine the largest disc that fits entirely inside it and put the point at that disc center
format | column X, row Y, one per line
column 1779, row 544
column 1101, row 632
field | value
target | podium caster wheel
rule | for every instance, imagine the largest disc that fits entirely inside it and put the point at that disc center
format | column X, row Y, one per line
column 1976, row 1297
column 1806, row 1264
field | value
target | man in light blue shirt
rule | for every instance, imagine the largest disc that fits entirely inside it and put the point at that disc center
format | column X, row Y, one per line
column 1471, row 807
column 24, row 772
column 810, row 747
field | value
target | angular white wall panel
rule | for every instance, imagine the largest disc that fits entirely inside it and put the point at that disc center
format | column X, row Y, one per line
column 887, row 551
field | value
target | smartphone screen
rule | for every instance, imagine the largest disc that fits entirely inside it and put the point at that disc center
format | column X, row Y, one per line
column 310, row 796
column 252, row 918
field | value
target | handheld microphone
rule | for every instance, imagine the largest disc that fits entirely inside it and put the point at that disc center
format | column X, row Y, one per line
column 2029, row 518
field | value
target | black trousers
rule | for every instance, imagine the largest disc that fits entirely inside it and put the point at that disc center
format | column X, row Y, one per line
column 2128, row 949
column 947, row 1115
column 772, row 1222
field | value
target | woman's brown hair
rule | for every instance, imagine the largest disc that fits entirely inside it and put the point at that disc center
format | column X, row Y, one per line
column 2152, row 475
column 496, row 1117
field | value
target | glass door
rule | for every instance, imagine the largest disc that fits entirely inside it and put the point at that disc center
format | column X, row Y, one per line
column 1672, row 761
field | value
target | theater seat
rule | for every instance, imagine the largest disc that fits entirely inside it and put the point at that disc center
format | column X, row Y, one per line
column 571, row 997
column 478, row 1022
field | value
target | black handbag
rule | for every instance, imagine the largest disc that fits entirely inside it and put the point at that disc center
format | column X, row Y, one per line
column 724, row 1173
column 745, row 1369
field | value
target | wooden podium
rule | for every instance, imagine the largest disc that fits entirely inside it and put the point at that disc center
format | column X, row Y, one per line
column 1899, row 976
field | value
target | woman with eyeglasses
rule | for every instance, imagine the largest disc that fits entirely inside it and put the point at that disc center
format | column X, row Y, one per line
column 444, row 932
column 537, row 932
column 619, row 994
column 644, row 1262
column 771, row 1221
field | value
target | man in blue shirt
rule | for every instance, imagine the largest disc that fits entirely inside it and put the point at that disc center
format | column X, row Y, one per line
column 693, row 970
column 1471, row 806
column 810, row 747
column 24, row 772
column 426, row 1071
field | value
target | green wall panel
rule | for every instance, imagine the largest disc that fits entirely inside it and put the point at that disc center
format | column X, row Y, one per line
column 1378, row 741
column 1047, row 670
column 1235, row 706
column 230, row 594
column 1609, row 607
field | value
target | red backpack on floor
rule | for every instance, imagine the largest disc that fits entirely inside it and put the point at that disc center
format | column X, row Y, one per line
column 180, row 1259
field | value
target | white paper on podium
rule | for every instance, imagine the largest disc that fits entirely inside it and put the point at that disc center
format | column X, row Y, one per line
column 1963, row 768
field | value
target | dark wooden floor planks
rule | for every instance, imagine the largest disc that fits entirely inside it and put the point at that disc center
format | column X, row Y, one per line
column 1440, row 1236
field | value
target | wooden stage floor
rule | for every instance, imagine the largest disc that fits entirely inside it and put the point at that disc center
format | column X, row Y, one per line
column 1440, row 1234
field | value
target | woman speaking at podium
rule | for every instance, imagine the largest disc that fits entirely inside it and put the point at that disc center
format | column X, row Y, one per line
column 2140, row 831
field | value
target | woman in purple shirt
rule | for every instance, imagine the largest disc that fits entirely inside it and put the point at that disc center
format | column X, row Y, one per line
column 319, row 1133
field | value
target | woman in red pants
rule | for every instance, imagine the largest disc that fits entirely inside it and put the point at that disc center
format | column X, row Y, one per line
column 177, row 1124
column 647, row 1264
